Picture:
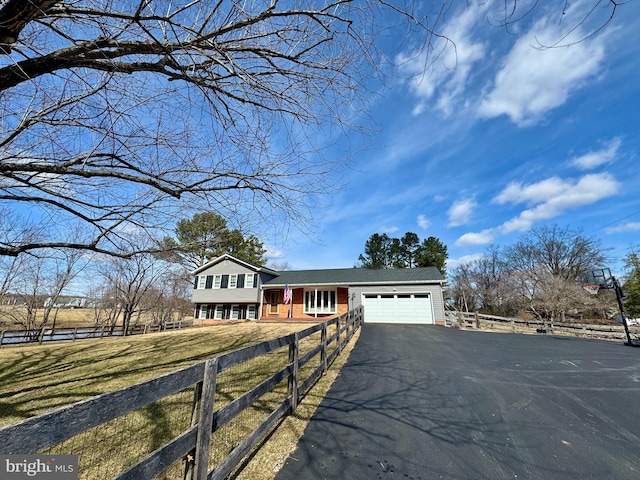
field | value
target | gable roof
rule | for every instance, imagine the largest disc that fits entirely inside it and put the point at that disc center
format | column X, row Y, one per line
column 226, row 256
column 357, row 276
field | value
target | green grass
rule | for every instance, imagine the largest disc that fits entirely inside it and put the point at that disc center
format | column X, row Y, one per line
column 38, row 379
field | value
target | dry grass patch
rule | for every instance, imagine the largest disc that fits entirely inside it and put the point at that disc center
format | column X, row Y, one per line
column 40, row 378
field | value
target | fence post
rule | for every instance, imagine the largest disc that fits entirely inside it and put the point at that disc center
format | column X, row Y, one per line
column 293, row 378
column 195, row 412
column 352, row 324
column 339, row 343
column 75, row 333
column 323, row 352
column 477, row 320
column 1, row 337
column 205, row 420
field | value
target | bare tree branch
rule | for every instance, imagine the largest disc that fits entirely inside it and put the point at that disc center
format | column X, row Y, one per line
column 124, row 114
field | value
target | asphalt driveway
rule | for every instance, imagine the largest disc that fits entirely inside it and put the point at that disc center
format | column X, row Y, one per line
column 426, row 402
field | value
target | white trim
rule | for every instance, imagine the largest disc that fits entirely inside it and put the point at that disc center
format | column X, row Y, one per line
column 324, row 301
column 226, row 256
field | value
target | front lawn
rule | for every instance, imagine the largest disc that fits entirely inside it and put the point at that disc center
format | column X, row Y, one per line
column 40, row 378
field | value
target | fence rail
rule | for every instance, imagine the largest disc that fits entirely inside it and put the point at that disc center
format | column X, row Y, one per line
column 18, row 337
column 481, row 321
column 292, row 379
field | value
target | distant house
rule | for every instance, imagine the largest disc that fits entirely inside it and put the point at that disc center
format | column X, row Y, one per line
column 66, row 302
column 230, row 289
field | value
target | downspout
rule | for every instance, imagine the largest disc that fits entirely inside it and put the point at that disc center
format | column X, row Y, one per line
column 261, row 299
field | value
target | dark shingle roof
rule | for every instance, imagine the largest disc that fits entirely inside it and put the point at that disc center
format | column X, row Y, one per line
column 357, row 276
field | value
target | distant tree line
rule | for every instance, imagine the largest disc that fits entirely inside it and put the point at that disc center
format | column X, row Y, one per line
column 382, row 251
column 542, row 274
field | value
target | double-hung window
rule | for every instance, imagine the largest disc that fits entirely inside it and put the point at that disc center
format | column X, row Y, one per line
column 216, row 281
column 202, row 281
column 233, row 281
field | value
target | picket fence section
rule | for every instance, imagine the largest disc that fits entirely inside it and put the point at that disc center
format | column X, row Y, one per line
column 194, row 445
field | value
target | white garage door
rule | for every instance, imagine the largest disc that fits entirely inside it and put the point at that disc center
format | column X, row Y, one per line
column 397, row 308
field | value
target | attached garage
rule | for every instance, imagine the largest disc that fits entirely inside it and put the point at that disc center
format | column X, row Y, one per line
column 394, row 295
column 397, row 308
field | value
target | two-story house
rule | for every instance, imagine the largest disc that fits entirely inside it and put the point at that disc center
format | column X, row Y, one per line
column 229, row 289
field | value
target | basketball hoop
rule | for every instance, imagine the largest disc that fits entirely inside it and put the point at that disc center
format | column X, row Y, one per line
column 592, row 289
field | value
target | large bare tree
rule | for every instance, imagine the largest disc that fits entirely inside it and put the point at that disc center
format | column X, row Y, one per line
column 120, row 113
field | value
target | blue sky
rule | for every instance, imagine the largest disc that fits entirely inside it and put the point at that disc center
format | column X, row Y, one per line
column 512, row 138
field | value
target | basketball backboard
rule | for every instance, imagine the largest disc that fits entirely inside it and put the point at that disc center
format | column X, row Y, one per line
column 599, row 276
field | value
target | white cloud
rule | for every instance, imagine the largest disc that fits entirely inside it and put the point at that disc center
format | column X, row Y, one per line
column 600, row 157
column 515, row 192
column 464, row 260
column 562, row 195
column 423, row 222
column 627, row 227
column 392, row 229
column 548, row 198
column 273, row 253
column 444, row 68
column 472, row 239
column 461, row 211
column 533, row 81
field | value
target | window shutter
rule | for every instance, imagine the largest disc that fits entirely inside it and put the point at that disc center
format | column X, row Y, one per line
column 225, row 281
column 240, row 283
column 195, row 282
column 209, row 283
